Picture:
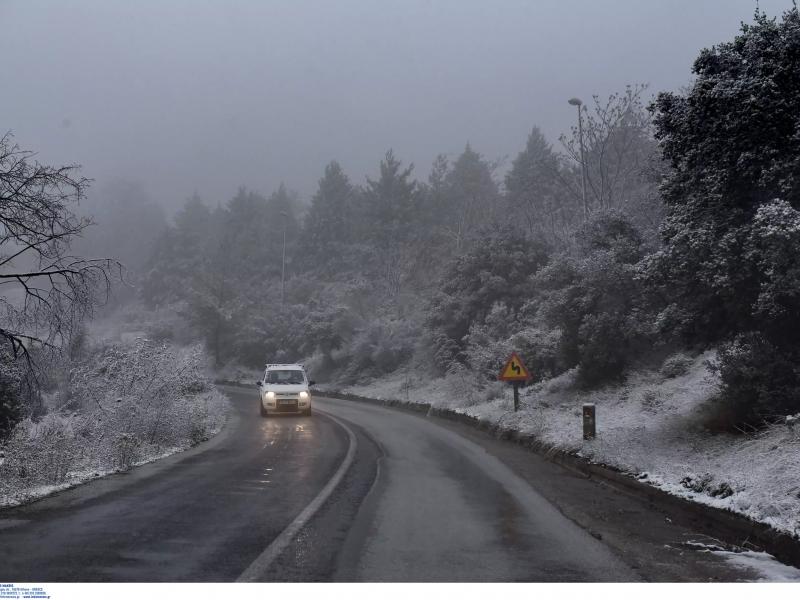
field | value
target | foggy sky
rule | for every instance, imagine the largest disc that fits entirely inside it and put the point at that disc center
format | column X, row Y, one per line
column 188, row 95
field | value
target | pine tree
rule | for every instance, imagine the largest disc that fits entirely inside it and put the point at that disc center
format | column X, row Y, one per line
column 391, row 211
column 329, row 226
column 533, row 194
column 471, row 199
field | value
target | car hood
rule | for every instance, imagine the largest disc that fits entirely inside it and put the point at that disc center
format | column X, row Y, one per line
column 286, row 389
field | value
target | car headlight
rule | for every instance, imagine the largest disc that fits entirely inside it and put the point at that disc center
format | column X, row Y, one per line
column 303, row 395
column 270, row 395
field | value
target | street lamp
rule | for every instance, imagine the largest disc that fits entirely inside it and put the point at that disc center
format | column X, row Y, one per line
column 285, row 216
column 578, row 103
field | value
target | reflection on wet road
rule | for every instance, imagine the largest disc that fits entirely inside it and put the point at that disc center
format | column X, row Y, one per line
column 191, row 517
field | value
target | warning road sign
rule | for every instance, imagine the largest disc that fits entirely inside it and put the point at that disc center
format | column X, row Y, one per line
column 514, row 370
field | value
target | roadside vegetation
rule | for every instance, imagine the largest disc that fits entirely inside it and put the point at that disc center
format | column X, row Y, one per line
column 106, row 408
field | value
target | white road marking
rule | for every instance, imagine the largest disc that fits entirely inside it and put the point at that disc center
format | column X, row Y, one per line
column 262, row 562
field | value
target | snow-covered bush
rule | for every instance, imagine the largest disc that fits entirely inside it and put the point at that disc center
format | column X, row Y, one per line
column 498, row 272
column 378, row 348
column 43, row 452
column 119, row 405
column 594, row 300
column 759, row 381
column 445, row 350
column 486, row 351
column 464, row 386
column 604, row 348
column 676, row 365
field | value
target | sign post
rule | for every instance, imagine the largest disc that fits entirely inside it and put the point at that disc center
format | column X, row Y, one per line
column 515, row 372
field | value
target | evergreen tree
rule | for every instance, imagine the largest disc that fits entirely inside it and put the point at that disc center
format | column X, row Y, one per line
column 178, row 255
column 328, row 228
column 729, row 266
column 499, row 270
column 733, row 146
column 391, row 211
column 533, row 194
column 471, row 199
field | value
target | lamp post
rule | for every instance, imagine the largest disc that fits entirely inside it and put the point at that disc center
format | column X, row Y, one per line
column 283, row 257
column 578, row 103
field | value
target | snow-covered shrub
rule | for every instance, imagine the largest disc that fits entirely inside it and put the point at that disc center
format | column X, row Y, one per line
column 497, row 272
column 125, row 451
column 594, row 299
column 378, row 348
column 488, row 347
column 485, row 351
column 539, row 348
column 120, row 405
column 464, row 386
column 705, row 484
column 42, row 453
column 760, row 382
column 676, row 365
column 604, row 348
column 651, row 401
column 446, row 351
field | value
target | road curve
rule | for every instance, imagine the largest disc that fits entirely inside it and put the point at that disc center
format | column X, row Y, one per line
column 444, row 509
column 357, row 492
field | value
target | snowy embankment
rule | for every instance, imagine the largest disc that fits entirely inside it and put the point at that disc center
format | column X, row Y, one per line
column 649, row 428
column 120, row 407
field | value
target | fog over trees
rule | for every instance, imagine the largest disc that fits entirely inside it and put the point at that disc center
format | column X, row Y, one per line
column 668, row 222
column 683, row 242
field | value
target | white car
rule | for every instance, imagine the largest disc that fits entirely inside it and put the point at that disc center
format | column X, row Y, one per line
column 285, row 390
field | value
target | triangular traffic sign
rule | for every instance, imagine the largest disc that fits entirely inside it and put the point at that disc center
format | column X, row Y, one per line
column 514, row 370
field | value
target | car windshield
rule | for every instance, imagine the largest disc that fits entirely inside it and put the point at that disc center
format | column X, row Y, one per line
column 288, row 376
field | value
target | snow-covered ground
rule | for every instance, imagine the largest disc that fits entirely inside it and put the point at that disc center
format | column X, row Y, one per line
column 648, row 427
column 762, row 564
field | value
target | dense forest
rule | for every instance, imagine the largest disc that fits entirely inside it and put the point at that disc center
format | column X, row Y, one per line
column 668, row 223
column 399, row 271
column 685, row 237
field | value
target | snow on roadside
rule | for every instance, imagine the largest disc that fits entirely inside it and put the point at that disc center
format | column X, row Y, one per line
column 647, row 427
column 15, row 491
column 765, row 566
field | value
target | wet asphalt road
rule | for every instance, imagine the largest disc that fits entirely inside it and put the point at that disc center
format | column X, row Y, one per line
column 198, row 516
column 423, row 500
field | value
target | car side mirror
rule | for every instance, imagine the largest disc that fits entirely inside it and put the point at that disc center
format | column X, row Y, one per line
column 312, row 382
column 258, row 384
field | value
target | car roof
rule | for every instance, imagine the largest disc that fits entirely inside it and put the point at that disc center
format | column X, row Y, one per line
column 288, row 367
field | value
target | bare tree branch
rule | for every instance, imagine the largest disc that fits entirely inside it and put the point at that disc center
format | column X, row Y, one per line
column 49, row 291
